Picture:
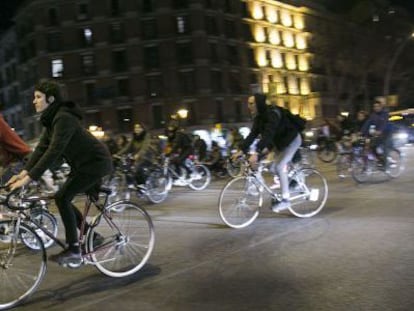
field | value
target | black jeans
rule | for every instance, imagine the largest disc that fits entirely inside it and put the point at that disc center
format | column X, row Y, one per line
column 71, row 216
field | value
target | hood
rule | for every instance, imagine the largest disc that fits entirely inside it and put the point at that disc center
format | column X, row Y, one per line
column 50, row 112
column 260, row 100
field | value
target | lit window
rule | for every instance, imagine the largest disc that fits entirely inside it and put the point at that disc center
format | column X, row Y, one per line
column 57, row 68
column 87, row 34
column 274, row 36
column 288, row 39
column 277, row 61
column 286, row 18
column 180, row 24
column 290, row 61
column 298, row 22
column 300, row 41
column 261, row 57
column 303, row 63
column 271, row 14
column 304, row 86
column 260, row 35
column 257, row 10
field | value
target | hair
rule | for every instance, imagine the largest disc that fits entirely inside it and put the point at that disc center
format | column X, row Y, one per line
column 49, row 88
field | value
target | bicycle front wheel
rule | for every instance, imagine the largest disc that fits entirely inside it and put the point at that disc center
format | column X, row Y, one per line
column 394, row 163
column 157, row 187
column 201, row 177
column 309, row 194
column 21, row 268
column 120, row 243
column 44, row 219
column 239, row 202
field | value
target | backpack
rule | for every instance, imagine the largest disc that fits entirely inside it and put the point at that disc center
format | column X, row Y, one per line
column 296, row 120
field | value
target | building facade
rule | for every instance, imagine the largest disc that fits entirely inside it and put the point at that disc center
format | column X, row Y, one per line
column 142, row 60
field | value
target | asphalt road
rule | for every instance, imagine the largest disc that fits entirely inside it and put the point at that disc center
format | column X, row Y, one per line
column 357, row 254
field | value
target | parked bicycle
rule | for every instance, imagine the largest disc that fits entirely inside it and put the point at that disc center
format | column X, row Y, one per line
column 125, row 243
column 242, row 197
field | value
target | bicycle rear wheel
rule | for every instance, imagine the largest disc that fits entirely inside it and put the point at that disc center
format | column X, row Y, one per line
column 120, row 243
column 156, row 186
column 394, row 164
column 239, row 202
column 21, row 268
column 309, row 194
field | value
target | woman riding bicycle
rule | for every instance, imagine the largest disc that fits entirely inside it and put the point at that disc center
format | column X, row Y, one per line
column 64, row 136
column 274, row 130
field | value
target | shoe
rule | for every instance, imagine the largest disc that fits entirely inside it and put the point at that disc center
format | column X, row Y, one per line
column 281, row 206
column 67, row 257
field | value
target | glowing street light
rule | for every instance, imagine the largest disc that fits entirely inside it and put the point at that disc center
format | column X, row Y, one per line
column 182, row 113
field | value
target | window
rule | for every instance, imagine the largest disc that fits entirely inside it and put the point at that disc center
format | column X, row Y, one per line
column 149, row 29
column 233, row 55
column 88, row 64
column 157, row 116
column 147, row 6
column 180, row 4
column 123, row 87
column 184, row 53
column 90, row 93
column 57, row 68
column 230, row 27
column 214, row 52
column 119, row 61
column 228, row 7
column 83, row 11
column 186, row 82
column 154, row 86
column 216, row 79
column 124, row 120
column 86, row 36
column 182, row 24
column 115, row 8
column 211, row 25
column 54, row 42
column 151, row 57
column 53, row 18
column 234, row 82
column 117, row 33
column 219, row 110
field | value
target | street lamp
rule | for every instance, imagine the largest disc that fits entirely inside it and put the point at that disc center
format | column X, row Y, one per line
column 182, row 113
column 391, row 65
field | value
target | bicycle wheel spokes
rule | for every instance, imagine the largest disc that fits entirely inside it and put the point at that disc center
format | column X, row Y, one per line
column 21, row 268
column 310, row 194
column 47, row 221
column 239, row 202
column 394, row 163
column 125, row 239
column 157, row 187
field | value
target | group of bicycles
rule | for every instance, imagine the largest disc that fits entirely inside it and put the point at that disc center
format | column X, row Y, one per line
column 28, row 229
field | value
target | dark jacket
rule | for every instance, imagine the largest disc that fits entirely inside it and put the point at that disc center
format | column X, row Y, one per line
column 379, row 120
column 273, row 128
column 141, row 147
column 65, row 137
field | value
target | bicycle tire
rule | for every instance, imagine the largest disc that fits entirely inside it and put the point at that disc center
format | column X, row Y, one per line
column 127, row 240
column 233, row 168
column 156, row 187
column 21, row 268
column 240, row 201
column 327, row 153
column 46, row 220
column 360, row 170
column 311, row 192
column 394, row 163
column 201, row 177
column 343, row 165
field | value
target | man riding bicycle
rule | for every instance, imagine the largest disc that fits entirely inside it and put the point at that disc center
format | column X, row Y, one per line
column 277, row 131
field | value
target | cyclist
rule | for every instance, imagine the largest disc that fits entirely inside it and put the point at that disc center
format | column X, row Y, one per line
column 143, row 151
column 275, row 131
column 12, row 151
column 181, row 147
column 64, row 136
column 377, row 127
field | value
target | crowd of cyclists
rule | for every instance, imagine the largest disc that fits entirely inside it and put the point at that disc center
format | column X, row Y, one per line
column 65, row 137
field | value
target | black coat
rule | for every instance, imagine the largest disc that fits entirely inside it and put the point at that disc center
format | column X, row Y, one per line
column 65, row 137
column 273, row 128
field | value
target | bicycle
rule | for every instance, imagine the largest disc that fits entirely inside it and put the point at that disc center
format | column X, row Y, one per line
column 122, row 182
column 199, row 179
column 242, row 197
column 126, row 241
column 39, row 213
